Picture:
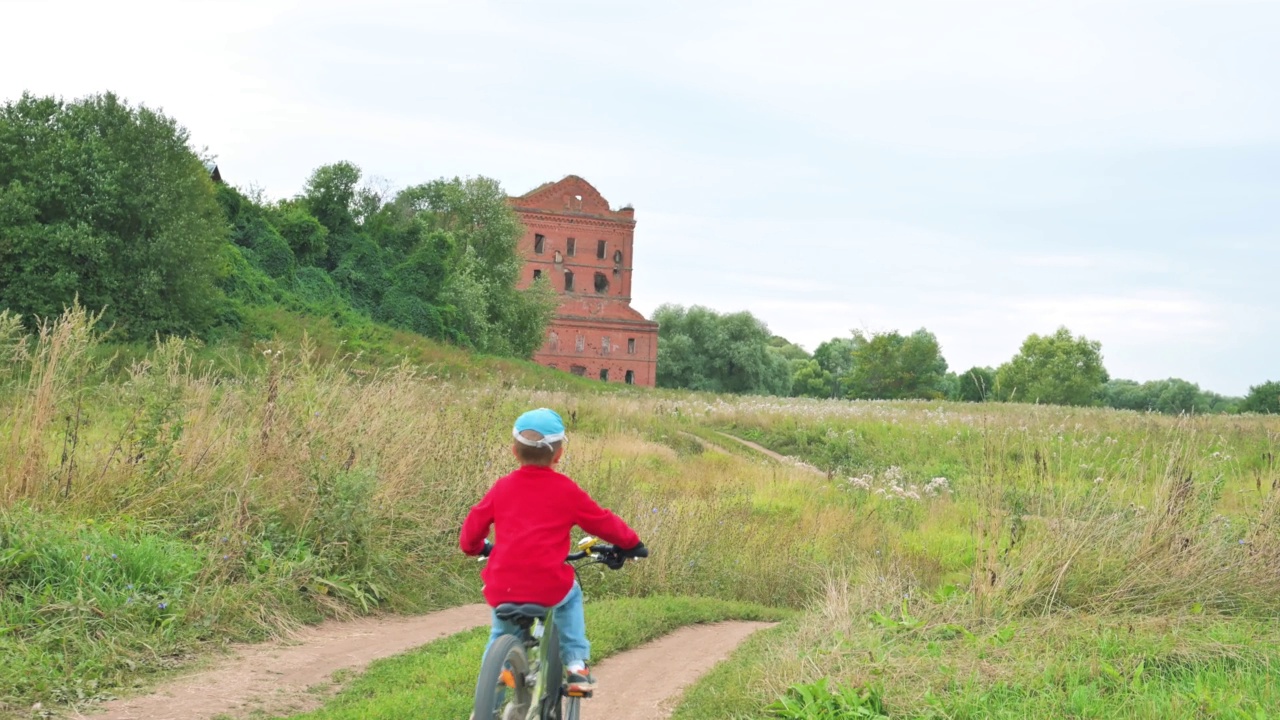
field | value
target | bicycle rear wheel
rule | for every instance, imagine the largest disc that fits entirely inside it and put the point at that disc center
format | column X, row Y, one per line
column 499, row 696
column 571, row 709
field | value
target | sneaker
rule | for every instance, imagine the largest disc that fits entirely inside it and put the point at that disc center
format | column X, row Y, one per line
column 580, row 682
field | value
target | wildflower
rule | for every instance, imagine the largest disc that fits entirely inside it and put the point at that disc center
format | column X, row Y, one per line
column 114, row 556
column 128, row 601
column 226, row 557
column 162, row 605
column 129, row 586
column 86, row 557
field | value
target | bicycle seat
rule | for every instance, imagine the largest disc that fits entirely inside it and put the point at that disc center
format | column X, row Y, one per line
column 517, row 612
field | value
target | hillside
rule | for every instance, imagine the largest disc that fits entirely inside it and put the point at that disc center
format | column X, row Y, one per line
column 192, row 496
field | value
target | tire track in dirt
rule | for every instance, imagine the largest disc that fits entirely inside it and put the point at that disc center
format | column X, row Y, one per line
column 647, row 682
column 273, row 677
column 789, row 461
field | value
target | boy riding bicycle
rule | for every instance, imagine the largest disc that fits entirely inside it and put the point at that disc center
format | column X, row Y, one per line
column 532, row 512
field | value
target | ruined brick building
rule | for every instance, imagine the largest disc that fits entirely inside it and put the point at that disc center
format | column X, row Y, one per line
column 583, row 247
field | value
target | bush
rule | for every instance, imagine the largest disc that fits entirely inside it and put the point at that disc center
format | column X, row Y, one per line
column 107, row 203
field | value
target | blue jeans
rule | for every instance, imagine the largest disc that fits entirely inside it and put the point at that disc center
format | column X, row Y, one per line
column 570, row 624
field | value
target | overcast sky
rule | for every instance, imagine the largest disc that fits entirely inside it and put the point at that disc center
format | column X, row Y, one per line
column 982, row 169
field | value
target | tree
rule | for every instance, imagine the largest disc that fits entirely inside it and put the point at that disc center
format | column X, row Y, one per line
column 788, row 349
column 835, row 357
column 107, row 202
column 502, row 319
column 977, row 384
column 1057, row 369
column 306, row 235
column 1264, row 398
column 330, row 196
column 810, row 380
column 892, row 366
column 1125, row 395
column 700, row 349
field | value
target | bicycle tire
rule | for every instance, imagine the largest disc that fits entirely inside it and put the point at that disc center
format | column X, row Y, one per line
column 492, row 704
column 551, row 708
column 572, row 710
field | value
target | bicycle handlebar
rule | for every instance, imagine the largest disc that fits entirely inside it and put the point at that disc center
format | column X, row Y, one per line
column 610, row 555
column 607, row 550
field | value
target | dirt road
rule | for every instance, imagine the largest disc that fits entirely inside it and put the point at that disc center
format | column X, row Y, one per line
column 645, row 683
column 273, row 678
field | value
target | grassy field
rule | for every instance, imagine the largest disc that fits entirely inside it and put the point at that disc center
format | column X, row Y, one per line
column 948, row 561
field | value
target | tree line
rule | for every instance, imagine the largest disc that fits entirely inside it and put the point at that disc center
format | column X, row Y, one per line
column 701, row 349
column 107, row 204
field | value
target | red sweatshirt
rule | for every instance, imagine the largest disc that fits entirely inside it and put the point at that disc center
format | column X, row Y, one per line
column 532, row 511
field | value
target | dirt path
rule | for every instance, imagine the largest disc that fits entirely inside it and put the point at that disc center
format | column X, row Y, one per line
column 645, row 683
column 273, row 678
column 760, row 449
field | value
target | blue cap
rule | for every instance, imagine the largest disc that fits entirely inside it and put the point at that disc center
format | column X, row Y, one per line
column 543, row 421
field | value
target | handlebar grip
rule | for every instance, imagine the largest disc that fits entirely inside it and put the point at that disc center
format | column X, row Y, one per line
column 639, row 552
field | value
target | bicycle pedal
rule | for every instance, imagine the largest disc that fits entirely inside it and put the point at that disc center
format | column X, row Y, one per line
column 577, row 693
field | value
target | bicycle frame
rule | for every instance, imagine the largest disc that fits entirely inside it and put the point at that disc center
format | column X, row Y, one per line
column 542, row 629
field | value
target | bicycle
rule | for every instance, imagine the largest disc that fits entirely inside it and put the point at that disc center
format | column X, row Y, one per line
column 522, row 677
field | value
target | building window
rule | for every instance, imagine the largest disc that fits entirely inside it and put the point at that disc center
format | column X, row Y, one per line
column 602, row 283
column 600, row 249
column 537, row 274
column 553, row 341
column 604, row 375
column 539, row 244
column 604, row 345
column 631, row 377
column 571, row 248
column 559, row 257
column 617, row 256
column 581, row 344
column 578, row 370
column 631, row 346
column 568, row 281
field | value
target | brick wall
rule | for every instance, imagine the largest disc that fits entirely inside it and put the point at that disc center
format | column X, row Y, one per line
column 584, row 249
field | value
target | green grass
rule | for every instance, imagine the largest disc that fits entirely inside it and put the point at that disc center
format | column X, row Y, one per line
column 931, row 667
column 437, row 681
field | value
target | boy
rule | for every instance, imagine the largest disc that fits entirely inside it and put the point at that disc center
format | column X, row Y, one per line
column 532, row 511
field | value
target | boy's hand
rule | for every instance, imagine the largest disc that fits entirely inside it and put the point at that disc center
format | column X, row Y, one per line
column 639, row 551
column 488, row 548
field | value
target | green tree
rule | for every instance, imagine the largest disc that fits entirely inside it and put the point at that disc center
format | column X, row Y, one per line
column 788, row 349
column 1264, row 398
column 810, row 380
column 700, row 349
column 492, row 315
column 977, row 384
column 1056, row 369
column 892, row 366
column 107, row 202
column 835, row 356
column 330, row 196
column 306, row 235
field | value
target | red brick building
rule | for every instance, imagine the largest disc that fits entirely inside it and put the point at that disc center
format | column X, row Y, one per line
column 583, row 248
